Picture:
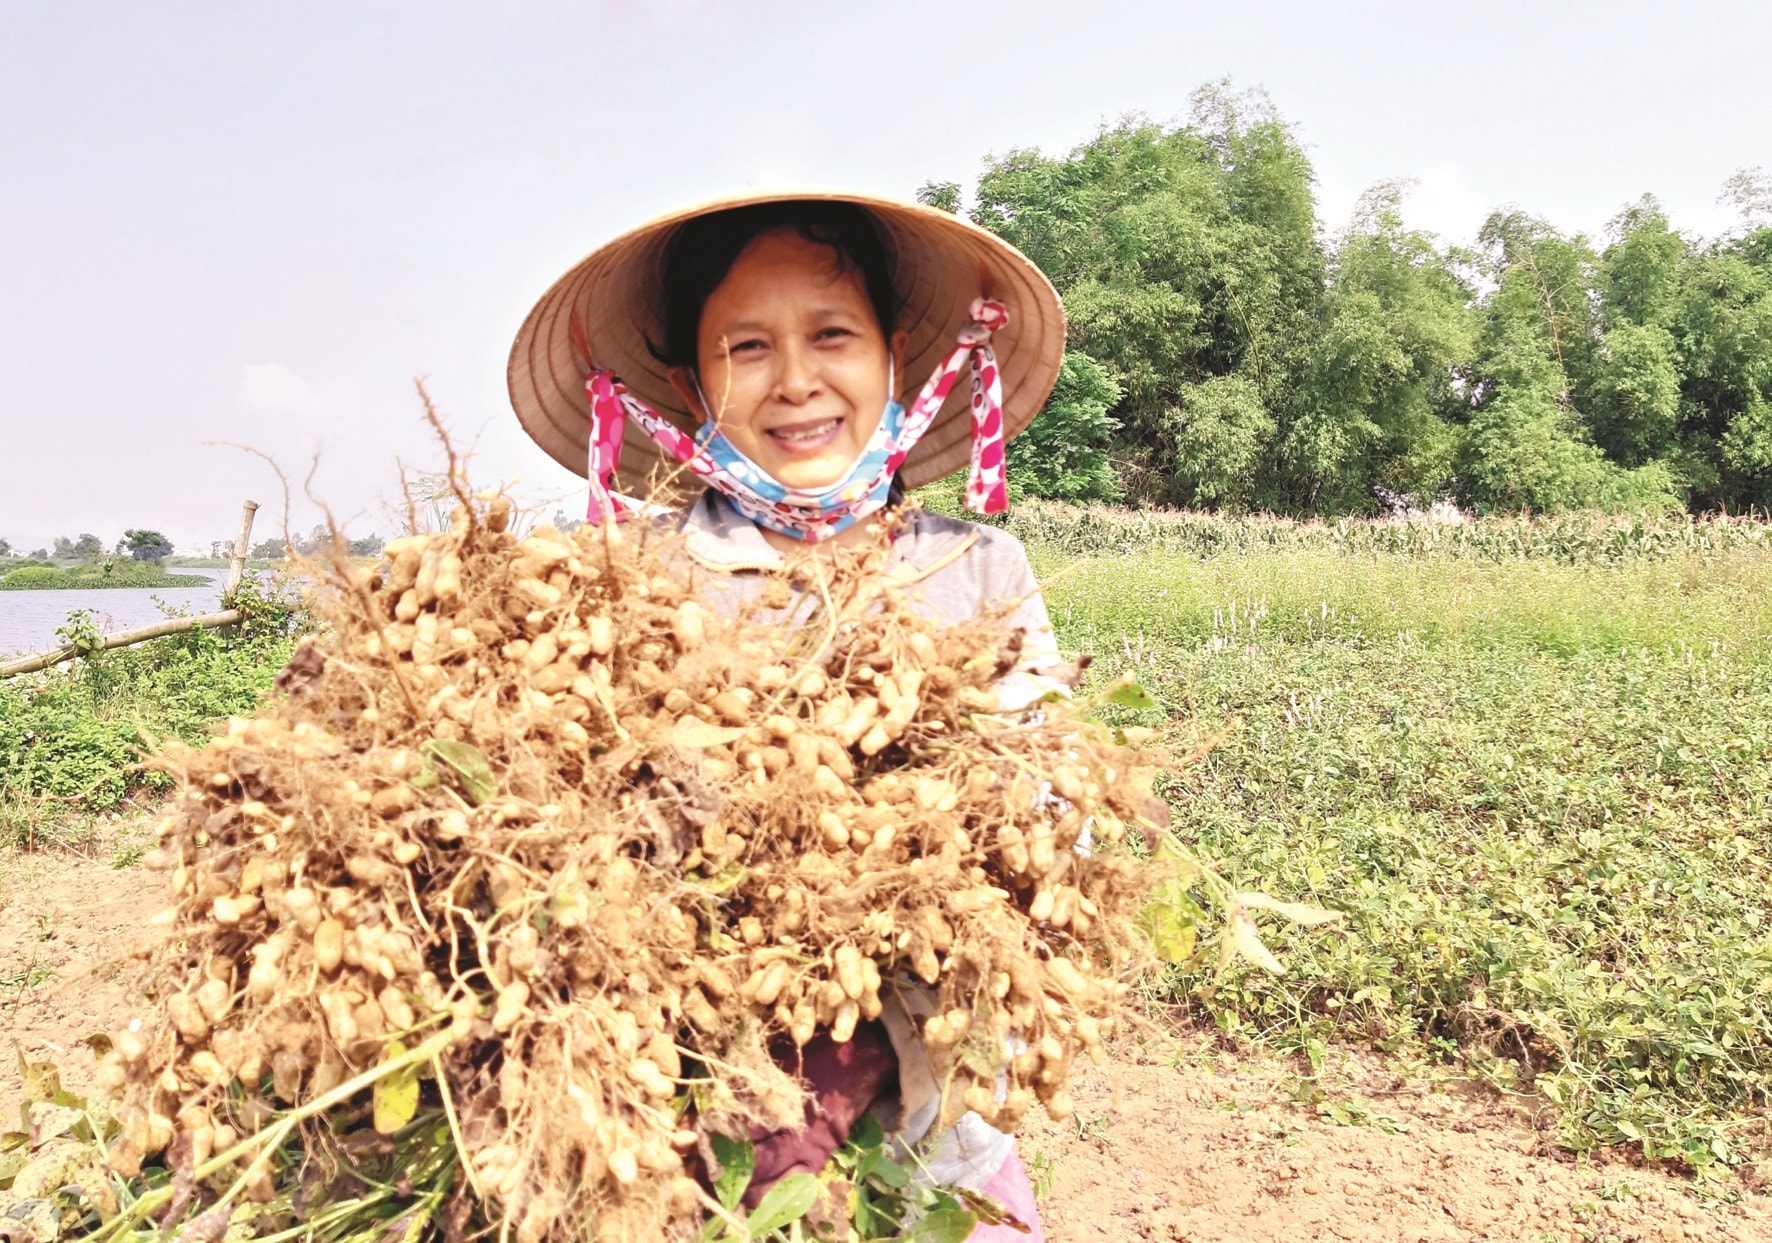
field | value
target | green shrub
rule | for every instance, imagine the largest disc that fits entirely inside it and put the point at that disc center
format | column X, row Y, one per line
column 34, row 577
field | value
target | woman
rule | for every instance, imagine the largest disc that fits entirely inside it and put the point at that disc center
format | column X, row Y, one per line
column 762, row 346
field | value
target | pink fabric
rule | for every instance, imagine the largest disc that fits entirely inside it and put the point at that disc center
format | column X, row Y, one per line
column 844, row 1079
column 1011, row 1188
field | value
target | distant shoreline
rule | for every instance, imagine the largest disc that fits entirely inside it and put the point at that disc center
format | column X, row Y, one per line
column 46, row 578
column 213, row 563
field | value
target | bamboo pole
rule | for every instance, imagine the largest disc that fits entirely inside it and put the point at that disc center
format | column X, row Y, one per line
column 242, row 542
column 123, row 638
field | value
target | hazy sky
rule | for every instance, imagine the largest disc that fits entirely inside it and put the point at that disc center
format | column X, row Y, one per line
column 256, row 223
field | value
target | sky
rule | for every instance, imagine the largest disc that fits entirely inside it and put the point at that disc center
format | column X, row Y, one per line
column 247, row 224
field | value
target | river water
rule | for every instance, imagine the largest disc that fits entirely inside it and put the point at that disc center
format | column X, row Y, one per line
column 28, row 619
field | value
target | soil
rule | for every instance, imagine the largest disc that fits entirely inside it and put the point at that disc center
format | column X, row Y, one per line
column 1205, row 1146
column 1197, row 1144
column 68, row 922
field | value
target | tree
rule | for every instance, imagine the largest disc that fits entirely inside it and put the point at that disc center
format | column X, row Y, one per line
column 1063, row 453
column 42, row 554
column 269, row 549
column 1258, row 367
column 1642, row 269
column 1525, row 448
column 146, row 545
column 1636, row 394
column 368, row 546
column 1724, row 335
column 5, row 549
column 1631, row 391
column 1186, row 255
column 1529, row 444
column 64, row 548
column 319, row 537
column 1375, row 415
column 941, row 195
column 1219, row 431
column 1749, row 191
column 87, row 548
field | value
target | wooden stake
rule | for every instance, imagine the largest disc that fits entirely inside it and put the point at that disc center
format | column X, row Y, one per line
column 237, row 563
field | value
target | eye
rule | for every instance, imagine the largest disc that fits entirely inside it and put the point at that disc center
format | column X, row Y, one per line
column 748, row 346
column 834, row 333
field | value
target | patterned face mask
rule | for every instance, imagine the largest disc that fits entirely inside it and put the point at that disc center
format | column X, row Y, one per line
column 815, row 514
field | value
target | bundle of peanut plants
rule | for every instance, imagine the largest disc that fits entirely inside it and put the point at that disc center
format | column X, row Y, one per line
column 499, row 916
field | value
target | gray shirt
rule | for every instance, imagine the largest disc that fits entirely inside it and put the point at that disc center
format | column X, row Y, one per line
column 950, row 570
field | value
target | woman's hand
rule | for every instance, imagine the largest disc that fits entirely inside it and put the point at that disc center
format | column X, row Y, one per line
column 843, row 1079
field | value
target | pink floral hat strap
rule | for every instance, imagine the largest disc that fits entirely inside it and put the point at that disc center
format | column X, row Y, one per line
column 987, row 489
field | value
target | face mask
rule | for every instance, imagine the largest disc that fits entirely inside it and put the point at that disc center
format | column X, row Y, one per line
column 812, row 515
column 767, row 501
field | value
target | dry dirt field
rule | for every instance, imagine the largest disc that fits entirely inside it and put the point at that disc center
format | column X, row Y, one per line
column 1193, row 1145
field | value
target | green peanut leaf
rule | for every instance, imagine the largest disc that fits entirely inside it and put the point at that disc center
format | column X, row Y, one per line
column 396, row 1095
column 737, row 1161
column 461, row 765
column 1127, row 693
column 947, row 1225
column 789, row 1200
column 1171, row 922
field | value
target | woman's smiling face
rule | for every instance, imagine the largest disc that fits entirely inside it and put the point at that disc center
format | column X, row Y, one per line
column 793, row 363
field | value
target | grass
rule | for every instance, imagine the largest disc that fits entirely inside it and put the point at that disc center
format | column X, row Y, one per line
column 1320, row 596
column 1538, row 785
column 25, row 978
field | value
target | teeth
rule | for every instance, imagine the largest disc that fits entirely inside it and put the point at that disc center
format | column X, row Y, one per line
column 810, row 433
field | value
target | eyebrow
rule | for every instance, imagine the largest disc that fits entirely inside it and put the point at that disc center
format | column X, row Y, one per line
column 821, row 312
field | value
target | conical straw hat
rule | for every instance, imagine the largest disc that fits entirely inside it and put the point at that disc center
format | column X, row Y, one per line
column 941, row 263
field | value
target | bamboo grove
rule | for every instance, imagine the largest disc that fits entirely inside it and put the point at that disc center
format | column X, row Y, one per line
column 1227, row 352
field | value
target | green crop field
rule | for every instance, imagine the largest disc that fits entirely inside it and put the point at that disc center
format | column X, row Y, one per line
column 1531, row 762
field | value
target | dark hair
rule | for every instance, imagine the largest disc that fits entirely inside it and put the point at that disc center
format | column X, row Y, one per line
column 704, row 250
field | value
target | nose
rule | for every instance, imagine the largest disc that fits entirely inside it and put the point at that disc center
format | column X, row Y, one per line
column 797, row 381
